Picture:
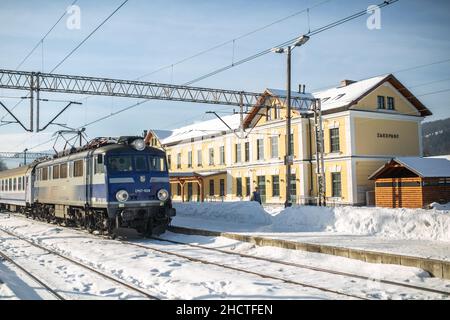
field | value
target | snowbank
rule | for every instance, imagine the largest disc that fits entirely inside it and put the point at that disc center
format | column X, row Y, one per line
column 388, row 223
column 232, row 212
column 438, row 206
column 304, row 219
column 417, row 224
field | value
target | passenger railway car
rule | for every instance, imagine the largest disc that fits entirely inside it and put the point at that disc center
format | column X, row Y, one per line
column 106, row 185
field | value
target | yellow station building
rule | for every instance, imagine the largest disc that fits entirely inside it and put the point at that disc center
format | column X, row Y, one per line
column 365, row 124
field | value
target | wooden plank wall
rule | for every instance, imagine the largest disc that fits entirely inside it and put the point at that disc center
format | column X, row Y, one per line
column 399, row 197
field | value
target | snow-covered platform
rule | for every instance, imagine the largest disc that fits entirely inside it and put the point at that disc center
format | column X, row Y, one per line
column 418, row 238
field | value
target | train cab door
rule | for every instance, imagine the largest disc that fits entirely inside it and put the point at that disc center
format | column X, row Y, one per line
column 89, row 177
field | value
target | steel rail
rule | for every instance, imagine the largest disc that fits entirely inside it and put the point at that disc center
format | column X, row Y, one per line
column 124, row 284
column 29, row 274
column 303, row 266
column 262, row 275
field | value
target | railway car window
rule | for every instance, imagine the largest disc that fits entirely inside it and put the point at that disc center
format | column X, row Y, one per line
column 44, row 174
column 10, row 184
column 120, row 164
column 15, row 184
column 63, row 170
column 157, row 163
column 99, row 167
column 78, row 168
column 26, row 182
column 19, row 185
column 56, row 172
column 141, row 163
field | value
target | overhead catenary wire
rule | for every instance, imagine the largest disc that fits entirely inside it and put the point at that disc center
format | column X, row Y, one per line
column 232, row 41
column 40, row 42
column 88, row 36
column 249, row 58
column 43, row 38
column 412, row 113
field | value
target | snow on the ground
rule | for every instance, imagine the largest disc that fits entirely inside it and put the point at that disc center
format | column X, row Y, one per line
column 414, row 224
column 162, row 275
column 438, row 206
column 173, row 277
column 233, row 212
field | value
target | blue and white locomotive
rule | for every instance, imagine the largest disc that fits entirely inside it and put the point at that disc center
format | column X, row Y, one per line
column 106, row 185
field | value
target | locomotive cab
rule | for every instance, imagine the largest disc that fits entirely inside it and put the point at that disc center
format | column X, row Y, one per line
column 138, row 189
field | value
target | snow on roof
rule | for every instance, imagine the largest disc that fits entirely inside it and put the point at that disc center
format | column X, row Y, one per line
column 426, row 167
column 342, row 96
column 331, row 98
column 162, row 134
column 209, row 127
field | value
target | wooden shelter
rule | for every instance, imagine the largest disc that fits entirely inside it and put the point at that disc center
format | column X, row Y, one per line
column 412, row 182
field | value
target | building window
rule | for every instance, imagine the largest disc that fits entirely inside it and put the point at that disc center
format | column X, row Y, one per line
column 275, row 186
column 277, row 113
column 178, row 189
column 336, row 184
column 260, row 149
column 211, row 156
column 211, row 188
column 268, row 114
column 189, row 159
column 222, row 187
column 274, row 147
column 199, row 158
column 390, row 103
column 178, row 160
column 247, row 186
column 237, row 149
column 334, row 140
column 169, row 161
column 222, row 155
column 239, row 187
column 262, row 187
column 381, row 102
column 247, row 152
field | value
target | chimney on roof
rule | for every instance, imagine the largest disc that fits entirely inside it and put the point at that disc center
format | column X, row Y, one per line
column 346, row 82
column 301, row 88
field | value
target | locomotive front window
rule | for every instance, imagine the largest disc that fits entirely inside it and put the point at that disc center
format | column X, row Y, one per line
column 157, row 163
column 120, row 163
column 141, row 163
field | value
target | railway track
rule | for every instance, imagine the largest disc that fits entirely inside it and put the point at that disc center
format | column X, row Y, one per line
column 262, row 275
column 291, row 264
column 47, row 287
column 303, row 266
column 203, row 261
column 78, row 263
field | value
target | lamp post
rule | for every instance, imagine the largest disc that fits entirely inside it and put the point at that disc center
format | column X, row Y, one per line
column 288, row 159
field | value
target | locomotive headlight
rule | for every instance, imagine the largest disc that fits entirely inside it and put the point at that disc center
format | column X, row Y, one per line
column 122, row 195
column 163, row 194
column 138, row 144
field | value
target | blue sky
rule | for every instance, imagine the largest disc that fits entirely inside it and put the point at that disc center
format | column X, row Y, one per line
column 146, row 35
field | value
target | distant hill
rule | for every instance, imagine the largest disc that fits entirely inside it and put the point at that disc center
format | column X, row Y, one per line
column 436, row 137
